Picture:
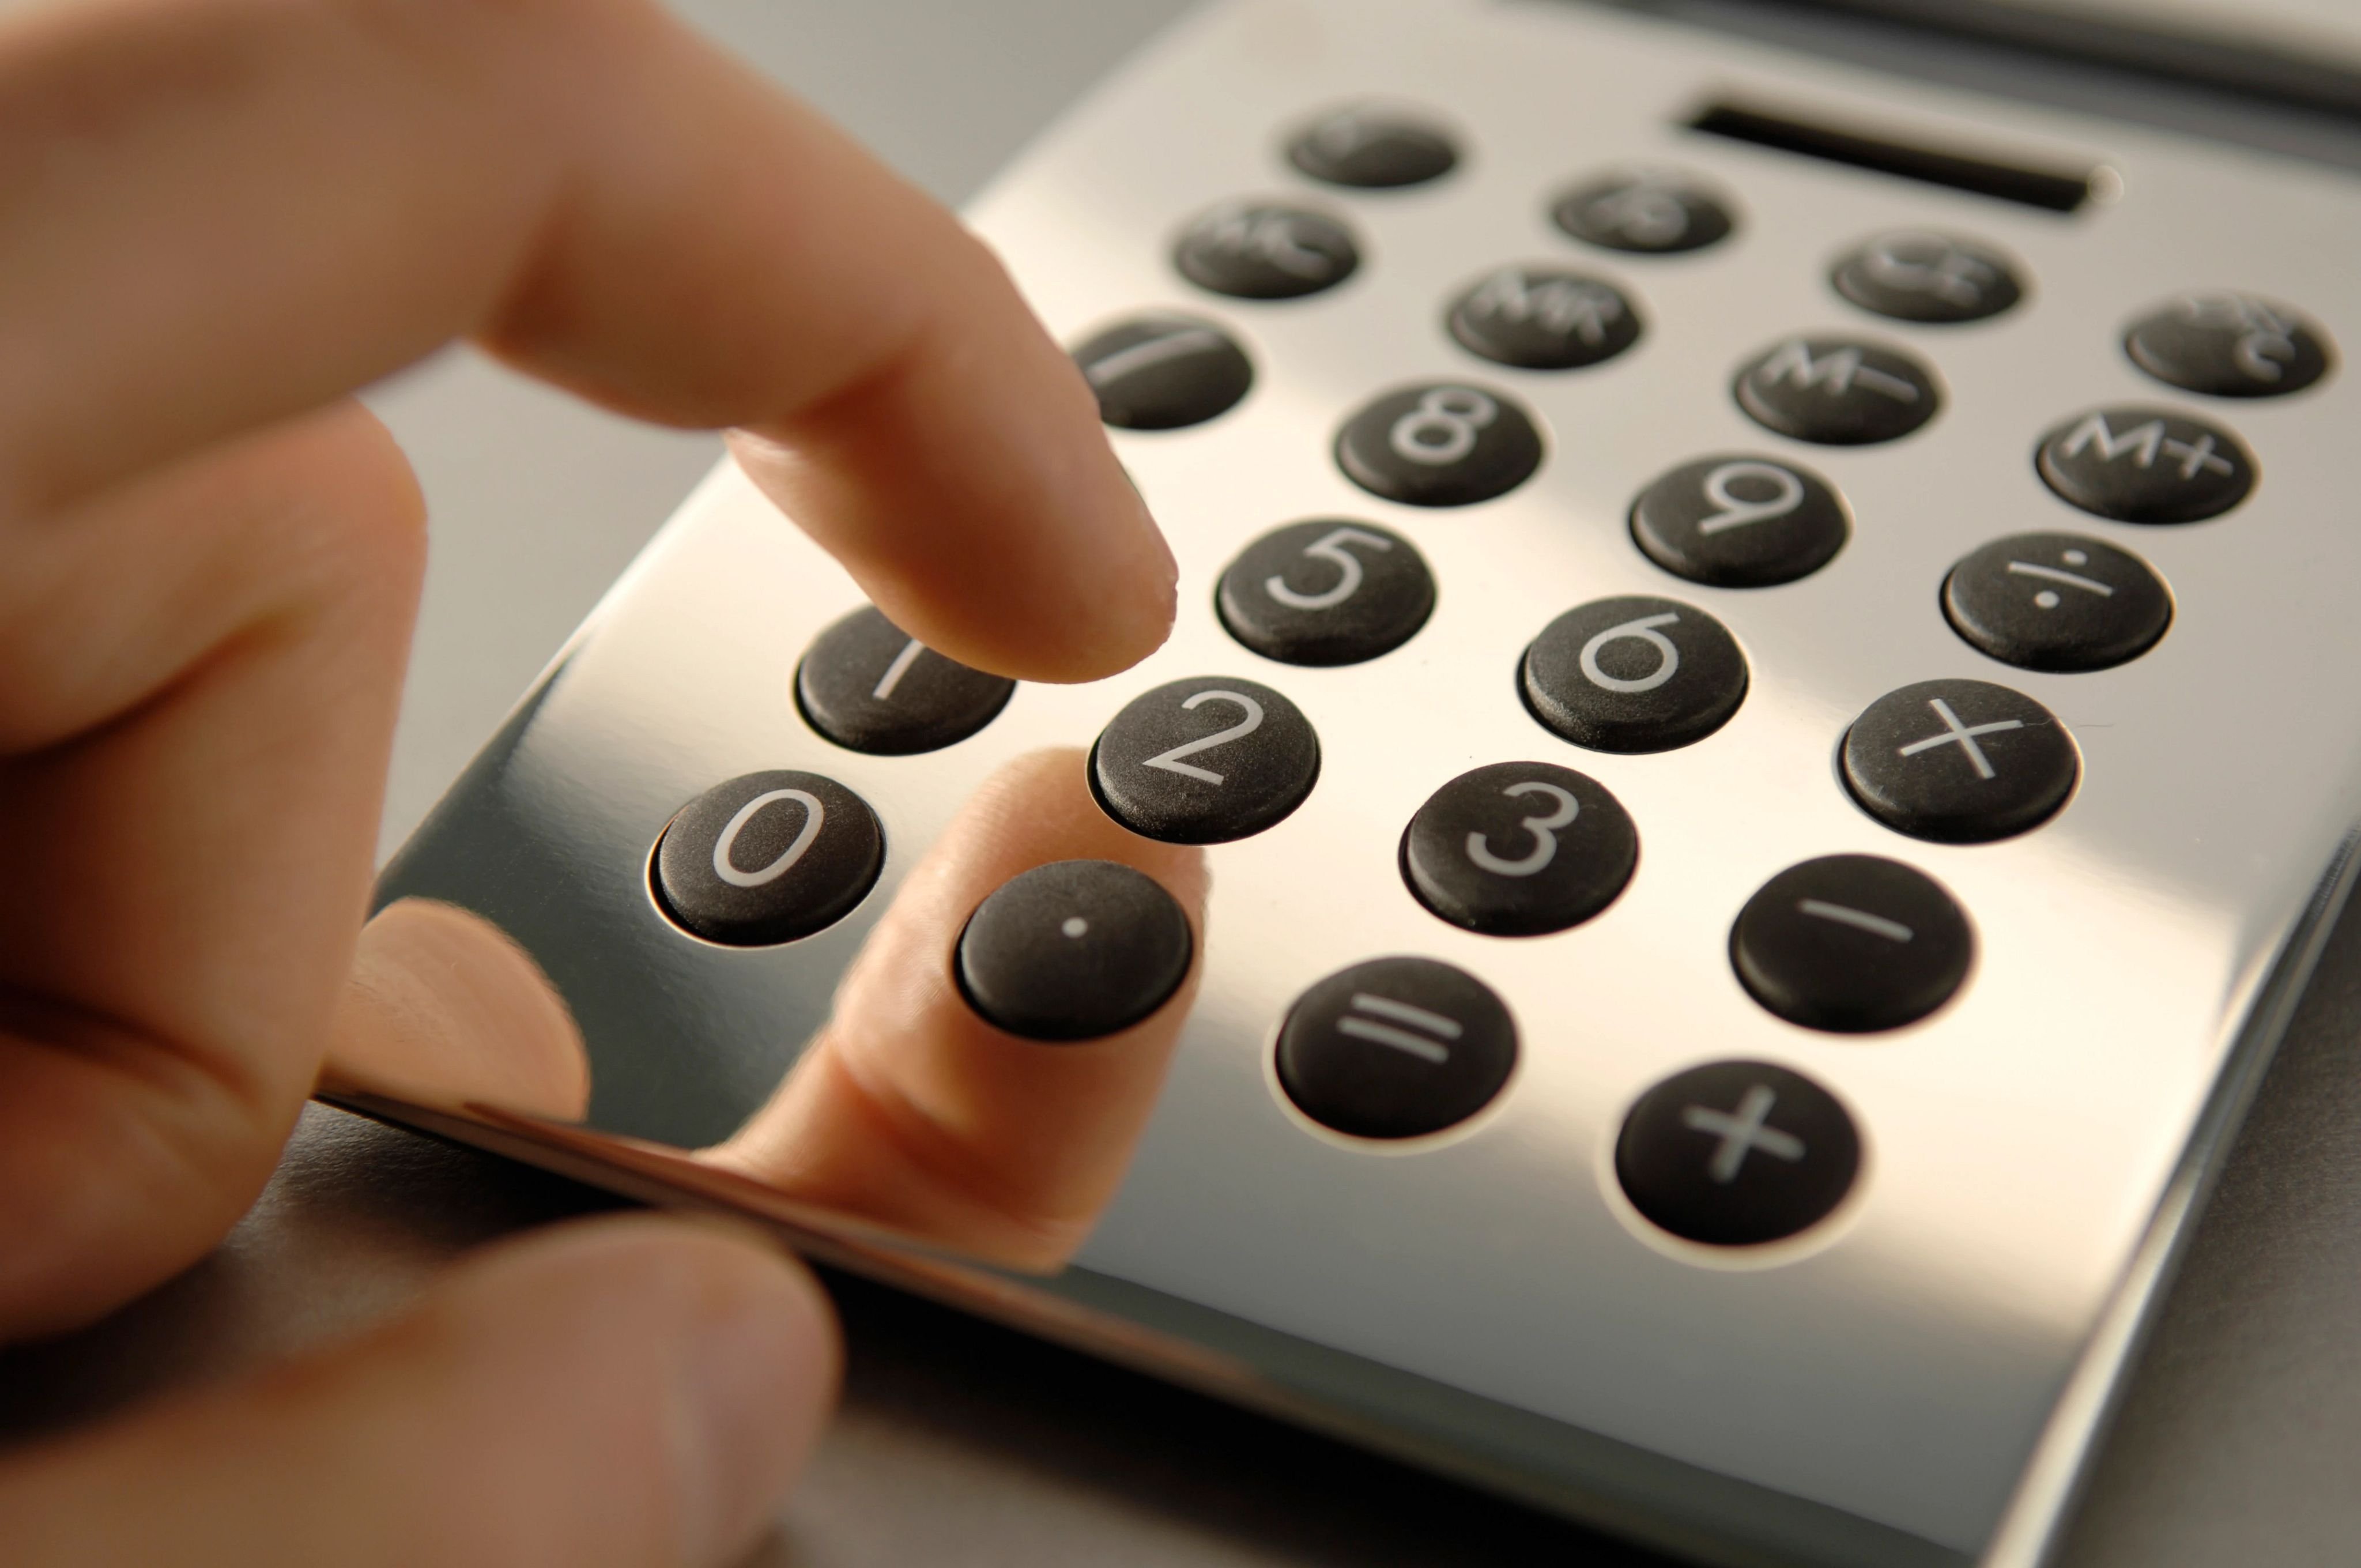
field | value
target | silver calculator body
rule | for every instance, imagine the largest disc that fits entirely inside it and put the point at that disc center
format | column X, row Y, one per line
column 1915, row 1378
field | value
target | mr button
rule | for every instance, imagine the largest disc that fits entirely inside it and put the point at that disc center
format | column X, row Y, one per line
column 1960, row 762
column 1396, row 1048
column 1073, row 950
column 1633, row 674
column 768, row 858
column 2145, row 465
column 1851, row 944
column 870, row 686
column 1737, row 1153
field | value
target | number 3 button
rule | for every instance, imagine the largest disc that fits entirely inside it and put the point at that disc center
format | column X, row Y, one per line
column 1440, row 444
column 1326, row 593
column 1204, row 761
column 1519, row 849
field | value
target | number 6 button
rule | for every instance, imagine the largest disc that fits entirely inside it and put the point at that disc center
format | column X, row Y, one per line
column 1634, row 674
column 1204, row 761
column 1520, row 849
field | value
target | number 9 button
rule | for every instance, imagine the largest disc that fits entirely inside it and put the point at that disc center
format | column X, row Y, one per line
column 1739, row 522
column 1204, row 761
column 1327, row 592
column 1520, row 849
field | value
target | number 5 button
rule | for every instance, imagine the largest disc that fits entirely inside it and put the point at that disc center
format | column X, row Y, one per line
column 1520, row 849
column 1326, row 593
column 1204, row 761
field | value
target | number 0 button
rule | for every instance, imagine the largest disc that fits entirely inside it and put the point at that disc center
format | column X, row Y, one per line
column 768, row 858
column 1396, row 1048
column 1633, row 674
column 1520, row 849
column 1328, row 592
column 1739, row 522
column 1204, row 761
column 870, row 686
column 1440, row 444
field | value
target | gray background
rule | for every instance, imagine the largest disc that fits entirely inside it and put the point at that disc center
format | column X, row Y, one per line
column 2241, row 1439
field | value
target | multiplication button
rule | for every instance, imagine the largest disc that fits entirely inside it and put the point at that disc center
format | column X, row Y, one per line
column 1914, row 275
column 1851, row 944
column 1838, row 392
column 1520, row 849
column 2145, row 464
column 1164, row 371
column 870, row 686
column 1372, row 148
column 1073, row 950
column 1737, row 1153
column 1204, row 761
column 1634, row 674
column 2057, row 601
column 1252, row 251
column 1960, row 762
column 1652, row 211
column 1738, row 521
column 1543, row 318
column 1396, row 1048
column 767, row 858
column 2229, row 345
column 1439, row 443
column 1327, row 592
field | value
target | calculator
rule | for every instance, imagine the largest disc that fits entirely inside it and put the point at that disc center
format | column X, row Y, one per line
column 1764, row 670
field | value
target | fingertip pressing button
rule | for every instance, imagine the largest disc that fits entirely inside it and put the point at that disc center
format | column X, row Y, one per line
column 767, row 858
column 870, row 686
column 1073, row 950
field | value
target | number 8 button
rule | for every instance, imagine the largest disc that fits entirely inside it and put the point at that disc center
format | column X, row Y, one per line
column 1520, row 849
column 1204, row 761
column 1440, row 444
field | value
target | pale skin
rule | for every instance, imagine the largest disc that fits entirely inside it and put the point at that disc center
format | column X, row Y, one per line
column 218, row 218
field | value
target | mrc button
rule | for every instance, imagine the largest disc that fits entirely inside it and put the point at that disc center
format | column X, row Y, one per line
column 767, row 858
column 1838, row 392
column 2136, row 463
column 1737, row 1153
column 1164, row 371
column 1740, row 521
column 1396, row 1048
column 1960, row 762
column 1634, row 674
column 1073, row 950
column 2229, row 345
column 1851, row 944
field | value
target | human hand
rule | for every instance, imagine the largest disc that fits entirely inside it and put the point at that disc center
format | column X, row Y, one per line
column 218, row 218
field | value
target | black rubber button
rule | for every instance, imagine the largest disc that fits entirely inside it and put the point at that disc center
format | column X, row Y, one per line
column 1073, row 950
column 1439, row 443
column 1740, row 521
column 1520, row 849
column 1914, row 275
column 1852, row 944
column 2230, row 345
column 1543, row 318
column 1838, row 392
column 1326, row 592
column 768, row 858
column 1373, row 149
column 1737, row 1153
column 1162, row 372
column 1654, row 213
column 1396, row 1048
column 870, row 686
column 1960, row 762
column 1204, row 761
column 1256, row 251
column 2136, row 463
column 2057, row 601
column 1634, row 674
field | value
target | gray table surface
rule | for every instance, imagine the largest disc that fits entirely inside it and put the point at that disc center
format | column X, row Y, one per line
column 2239, row 1442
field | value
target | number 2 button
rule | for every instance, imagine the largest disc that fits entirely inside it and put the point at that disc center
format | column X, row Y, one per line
column 1328, row 592
column 1520, row 849
column 1440, row 444
column 1204, row 761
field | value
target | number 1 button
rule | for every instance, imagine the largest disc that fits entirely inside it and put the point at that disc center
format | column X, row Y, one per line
column 1204, row 761
column 1520, row 849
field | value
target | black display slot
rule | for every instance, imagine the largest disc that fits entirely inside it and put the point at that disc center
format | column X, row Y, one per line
column 2045, row 188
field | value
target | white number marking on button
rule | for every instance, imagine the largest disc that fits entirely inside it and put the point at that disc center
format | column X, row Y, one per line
column 814, row 815
column 1858, row 919
column 1329, row 547
column 1170, row 760
column 1738, row 513
column 896, row 670
column 1402, row 1039
column 2088, row 584
column 1176, row 345
column 1455, row 412
column 1644, row 629
column 1543, row 828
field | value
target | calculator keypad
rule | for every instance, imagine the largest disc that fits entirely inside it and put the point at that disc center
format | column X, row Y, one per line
column 1396, row 1048
column 1914, row 275
column 1204, row 761
column 1838, row 392
column 2057, row 601
column 1740, row 521
column 2229, row 345
column 870, row 686
column 1737, row 1153
column 1258, row 251
column 1543, row 318
column 768, row 858
column 1326, row 592
column 1439, row 443
column 1520, row 849
column 1164, row 371
column 1634, row 674
column 1852, row 944
column 2136, row 464
column 1650, row 212
column 1960, row 762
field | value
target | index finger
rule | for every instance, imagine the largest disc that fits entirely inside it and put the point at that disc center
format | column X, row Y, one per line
column 216, row 215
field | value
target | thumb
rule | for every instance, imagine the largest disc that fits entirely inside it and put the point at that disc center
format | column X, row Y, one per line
column 623, row 1392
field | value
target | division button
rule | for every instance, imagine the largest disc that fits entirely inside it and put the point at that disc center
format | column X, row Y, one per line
column 1737, row 1153
column 1634, row 674
column 1373, row 149
column 870, row 686
column 1256, row 251
column 1073, row 950
column 1161, row 372
column 1852, row 944
column 2145, row 464
column 1520, row 849
column 1326, row 592
column 2229, row 346
column 1396, row 1048
column 1960, row 762
column 1738, row 521
column 1439, row 443
column 768, row 858
column 1542, row 318
column 1652, row 211
column 2057, row 601
column 1204, row 761
column 1838, row 392
column 1912, row 275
